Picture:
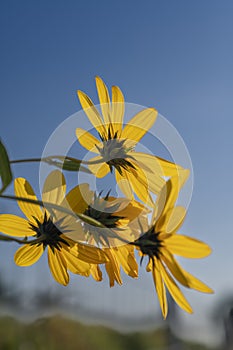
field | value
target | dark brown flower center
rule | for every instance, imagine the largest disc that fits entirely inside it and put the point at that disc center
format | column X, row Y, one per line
column 115, row 153
column 149, row 244
column 103, row 213
column 50, row 232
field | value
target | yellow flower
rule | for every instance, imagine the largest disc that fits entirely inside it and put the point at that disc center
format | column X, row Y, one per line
column 135, row 172
column 119, row 218
column 48, row 232
column 161, row 242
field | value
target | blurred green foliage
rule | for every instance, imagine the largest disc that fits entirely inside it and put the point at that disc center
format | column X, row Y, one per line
column 58, row 333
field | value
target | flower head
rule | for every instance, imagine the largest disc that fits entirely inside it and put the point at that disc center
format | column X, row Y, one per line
column 135, row 172
column 160, row 242
column 48, row 232
column 120, row 226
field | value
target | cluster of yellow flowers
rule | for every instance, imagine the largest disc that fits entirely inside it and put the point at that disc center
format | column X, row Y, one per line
column 118, row 227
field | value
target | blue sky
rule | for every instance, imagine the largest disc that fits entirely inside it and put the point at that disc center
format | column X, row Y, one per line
column 176, row 56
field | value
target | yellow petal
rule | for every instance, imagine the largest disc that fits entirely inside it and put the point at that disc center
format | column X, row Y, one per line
column 24, row 189
column 140, row 186
column 174, row 290
column 138, row 126
column 54, row 188
column 78, row 198
column 118, row 109
column 182, row 276
column 172, row 169
column 87, row 140
column 104, row 100
column 166, row 202
column 58, row 266
column 124, row 184
column 125, row 256
column 28, row 254
column 175, row 219
column 74, row 264
column 174, row 267
column 186, row 246
column 152, row 175
column 130, row 211
column 160, row 289
column 172, row 220
column 112, row 268
column 99, row 170
column 96, row 273
column 91, row 254
column 15, row 226
column 92, row 113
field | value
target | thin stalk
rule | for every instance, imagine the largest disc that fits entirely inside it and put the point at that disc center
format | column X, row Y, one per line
column 51, row 158
column 52, row 206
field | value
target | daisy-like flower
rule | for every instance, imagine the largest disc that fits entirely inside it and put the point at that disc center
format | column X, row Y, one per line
column 48, row 231
column 120, row 226
column 135, row 172
column 161, row 242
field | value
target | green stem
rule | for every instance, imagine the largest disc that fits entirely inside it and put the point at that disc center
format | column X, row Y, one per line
column 52, row 206
column 22, row 241
column 51, row 158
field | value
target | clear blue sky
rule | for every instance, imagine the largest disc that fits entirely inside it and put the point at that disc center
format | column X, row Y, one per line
column 174, row 55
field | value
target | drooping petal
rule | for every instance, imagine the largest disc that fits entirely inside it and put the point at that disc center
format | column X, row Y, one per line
column 138, row 126
column 182, row 276
column 112, row 268
column 92, row 113
column 99, row 170
column 24, row 189
column 96, row 273
column 91, row 254
column 58, row 266
column 87, row 140
column 186, row 246
column 104, row 100
column 28, row 254
column 126, row 258
column 140, row 185
column 124, row 184
column 74, row 264
column 54, row 188
column 15, row 226
column 174, row 290
column 152, row 177
column 118, row 109
column 160, row 289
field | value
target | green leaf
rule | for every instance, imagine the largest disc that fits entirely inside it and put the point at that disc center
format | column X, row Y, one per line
column 5, row 168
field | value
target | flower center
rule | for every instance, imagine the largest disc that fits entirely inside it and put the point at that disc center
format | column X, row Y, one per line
column 50, row 232
column 99, row 211
column 115, row 153
column 149, row 244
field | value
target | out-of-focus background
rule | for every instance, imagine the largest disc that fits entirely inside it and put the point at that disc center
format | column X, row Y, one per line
column 176, row 56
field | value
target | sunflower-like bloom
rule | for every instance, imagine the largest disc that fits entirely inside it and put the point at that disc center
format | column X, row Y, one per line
column 48, row 232
column 135, row 172
column 160, row 243
column 120, row 226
